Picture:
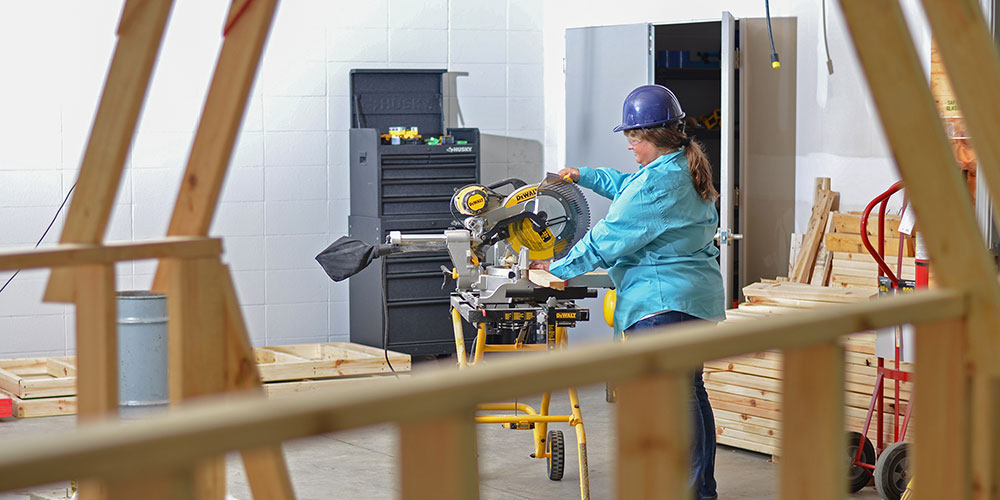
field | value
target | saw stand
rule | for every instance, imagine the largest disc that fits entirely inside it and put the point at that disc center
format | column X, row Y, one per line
column 534, row 319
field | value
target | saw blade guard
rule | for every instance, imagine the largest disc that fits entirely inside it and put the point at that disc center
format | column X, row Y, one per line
column 565, row 210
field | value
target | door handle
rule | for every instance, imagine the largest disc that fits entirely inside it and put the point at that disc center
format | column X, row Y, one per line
column 726, row 237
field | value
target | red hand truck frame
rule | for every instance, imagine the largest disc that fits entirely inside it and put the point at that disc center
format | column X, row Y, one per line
column 890, row 467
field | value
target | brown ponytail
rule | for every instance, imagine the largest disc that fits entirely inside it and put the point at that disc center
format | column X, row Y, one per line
column 698, row 164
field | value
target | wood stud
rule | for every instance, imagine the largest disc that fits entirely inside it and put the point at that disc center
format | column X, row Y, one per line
column 140, row 33
column 438, row 458
column 813, row 464
column 941, row 458
column 654, row 436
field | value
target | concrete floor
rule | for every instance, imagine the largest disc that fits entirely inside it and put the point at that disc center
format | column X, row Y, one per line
column 362, row 464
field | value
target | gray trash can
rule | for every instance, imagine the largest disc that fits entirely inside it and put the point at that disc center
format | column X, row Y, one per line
column 142, row 349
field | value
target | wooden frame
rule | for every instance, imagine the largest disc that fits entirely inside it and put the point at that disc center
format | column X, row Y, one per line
column 38, row 377
column 331, row 359
column 210, row 349
column 205, row 430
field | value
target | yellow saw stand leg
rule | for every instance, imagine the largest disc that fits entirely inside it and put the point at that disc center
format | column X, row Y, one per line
column 525, row 416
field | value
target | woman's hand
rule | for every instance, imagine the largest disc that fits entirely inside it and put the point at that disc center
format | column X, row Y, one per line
column 539, row 264
column 570, row 173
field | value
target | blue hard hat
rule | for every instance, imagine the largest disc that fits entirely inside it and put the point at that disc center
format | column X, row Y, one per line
column 649, row 106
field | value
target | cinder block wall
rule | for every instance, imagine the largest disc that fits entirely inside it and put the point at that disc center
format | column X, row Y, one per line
column 286, row 196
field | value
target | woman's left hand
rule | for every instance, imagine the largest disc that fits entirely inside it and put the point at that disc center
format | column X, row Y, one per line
column 539, row 264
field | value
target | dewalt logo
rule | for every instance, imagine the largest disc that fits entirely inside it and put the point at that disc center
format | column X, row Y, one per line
column 565, row 315
column 527, row 195
column 477, row 201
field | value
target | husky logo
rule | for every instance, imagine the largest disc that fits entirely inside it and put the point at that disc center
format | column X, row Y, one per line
column 459, row 149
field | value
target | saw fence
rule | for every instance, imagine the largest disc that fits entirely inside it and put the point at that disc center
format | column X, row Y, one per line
column 957, row 376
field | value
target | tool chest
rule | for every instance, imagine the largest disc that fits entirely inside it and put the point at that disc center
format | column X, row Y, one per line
column 404, row 187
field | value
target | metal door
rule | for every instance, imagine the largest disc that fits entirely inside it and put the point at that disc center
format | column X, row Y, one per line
column 727, row 159
column 603, row 64
column 766, row 168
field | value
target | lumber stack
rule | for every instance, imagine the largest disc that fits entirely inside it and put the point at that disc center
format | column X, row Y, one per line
column 827, row 266
column 745, row 390
column 40, row 387
column 852, row 264
column 860, row 270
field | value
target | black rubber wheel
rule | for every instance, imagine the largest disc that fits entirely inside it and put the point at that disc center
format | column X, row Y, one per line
column 892, row 471
column 555, row 465
column 858, row 476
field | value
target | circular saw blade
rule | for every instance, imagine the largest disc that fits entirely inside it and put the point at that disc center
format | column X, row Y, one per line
column 567, row 217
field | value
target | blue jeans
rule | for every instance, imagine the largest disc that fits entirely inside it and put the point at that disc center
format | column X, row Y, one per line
column 703, row 429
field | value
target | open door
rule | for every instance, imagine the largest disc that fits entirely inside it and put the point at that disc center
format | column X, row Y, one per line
column 766, row 168
column 728, row 235
column 603, row 64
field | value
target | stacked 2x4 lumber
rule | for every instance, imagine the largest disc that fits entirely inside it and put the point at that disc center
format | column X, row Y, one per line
column 852, row 265
column 47, row 386
column 745, row 390
column 846, row 235
column 860, row 270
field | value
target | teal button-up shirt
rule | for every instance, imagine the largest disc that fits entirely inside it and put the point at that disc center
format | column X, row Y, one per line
column 656, row 242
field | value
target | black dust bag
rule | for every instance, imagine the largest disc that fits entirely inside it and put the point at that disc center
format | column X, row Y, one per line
column 347, row 256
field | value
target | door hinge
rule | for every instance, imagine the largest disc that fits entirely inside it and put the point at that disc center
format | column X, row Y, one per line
column 736, row 196
column 736, row 59
column 649, row 40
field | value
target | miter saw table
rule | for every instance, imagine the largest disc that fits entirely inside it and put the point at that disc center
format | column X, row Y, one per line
column 532, row 318
column 513, row 307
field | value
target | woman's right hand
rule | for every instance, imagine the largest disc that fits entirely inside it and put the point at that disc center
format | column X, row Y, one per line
column 570, row 172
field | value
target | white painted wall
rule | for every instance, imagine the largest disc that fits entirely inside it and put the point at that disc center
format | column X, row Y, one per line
column 286, row 195
column 839, row 134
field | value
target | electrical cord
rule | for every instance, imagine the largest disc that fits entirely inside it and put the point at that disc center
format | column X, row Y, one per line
column 53, row 221
column 826, row 42
column 385, row 320
column 775, row 63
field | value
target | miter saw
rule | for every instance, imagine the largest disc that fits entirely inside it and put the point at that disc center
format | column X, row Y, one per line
column 504, row 227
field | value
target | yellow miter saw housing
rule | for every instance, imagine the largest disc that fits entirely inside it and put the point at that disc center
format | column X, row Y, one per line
column 546, row 218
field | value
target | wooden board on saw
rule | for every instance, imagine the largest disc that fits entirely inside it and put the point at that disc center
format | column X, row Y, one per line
column 38, row 377
column 332, row 359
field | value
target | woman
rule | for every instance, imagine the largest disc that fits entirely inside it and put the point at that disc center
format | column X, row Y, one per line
column 657, row 242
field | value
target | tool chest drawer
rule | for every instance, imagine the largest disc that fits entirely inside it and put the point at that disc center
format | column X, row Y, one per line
column 409, row 179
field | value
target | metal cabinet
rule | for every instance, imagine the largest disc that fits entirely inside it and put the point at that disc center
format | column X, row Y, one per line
column 406, row 188
column 753, row 147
